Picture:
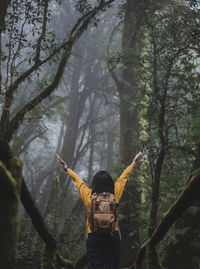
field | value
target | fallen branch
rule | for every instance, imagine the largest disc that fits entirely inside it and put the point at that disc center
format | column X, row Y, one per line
column 40, row 226
column 64, row 262
column 35, row 216
column 186, row 199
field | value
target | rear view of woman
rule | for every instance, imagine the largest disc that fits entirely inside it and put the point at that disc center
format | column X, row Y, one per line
column 103, row 249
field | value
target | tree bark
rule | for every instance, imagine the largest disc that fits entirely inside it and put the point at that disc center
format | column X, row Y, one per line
column 132, row 37
column 9, row 203
column 37, row 220
column 35, row 216
column 3, row 10
column 9, row 126
column 10, row 185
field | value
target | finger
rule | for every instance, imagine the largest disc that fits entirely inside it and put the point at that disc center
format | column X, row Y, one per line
column 57, row 156
column 60, row 160
column 137, row 156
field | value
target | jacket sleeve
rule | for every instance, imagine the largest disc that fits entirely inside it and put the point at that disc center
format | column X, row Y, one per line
column 83, row 189
column 121, row 182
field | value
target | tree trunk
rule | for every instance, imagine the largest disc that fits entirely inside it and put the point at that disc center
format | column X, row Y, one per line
column 3, row 10
column 91, row 156
column 132, row 37
column 10, row 186
column 111, row 140
column 69, row 143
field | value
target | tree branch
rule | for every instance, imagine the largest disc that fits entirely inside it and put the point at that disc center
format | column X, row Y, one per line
column 39, row 224
column 86, row 18
column 41, row 37
column 7, row 182
column 75, row 34
column 18, row 118
column 35, row 216
column 64, row 262
column 186, row 199
column 110, row 67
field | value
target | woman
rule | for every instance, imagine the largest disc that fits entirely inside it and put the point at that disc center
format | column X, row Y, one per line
column 103, row 249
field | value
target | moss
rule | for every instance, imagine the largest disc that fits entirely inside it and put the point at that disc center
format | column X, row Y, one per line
column 10, row 184
column 16, row 171
column 48, row 260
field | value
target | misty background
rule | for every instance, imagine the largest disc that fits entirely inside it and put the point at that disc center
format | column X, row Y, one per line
column 96, row 82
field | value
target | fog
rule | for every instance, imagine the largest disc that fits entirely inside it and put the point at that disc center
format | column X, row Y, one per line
column 96, row 82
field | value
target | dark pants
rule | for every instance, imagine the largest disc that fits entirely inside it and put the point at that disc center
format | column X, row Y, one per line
column 103, row 251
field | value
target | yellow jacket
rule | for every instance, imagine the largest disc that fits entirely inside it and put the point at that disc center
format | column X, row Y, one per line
column 85, row 191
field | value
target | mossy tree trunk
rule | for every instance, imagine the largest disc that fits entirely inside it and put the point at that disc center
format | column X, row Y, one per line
column 11, row 174
column 132, row 44
column 10, row 186
column 3, row 10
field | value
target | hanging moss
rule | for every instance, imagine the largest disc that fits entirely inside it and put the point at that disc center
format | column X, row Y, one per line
column 152, row 260
column 10, row 185
column 48, row 260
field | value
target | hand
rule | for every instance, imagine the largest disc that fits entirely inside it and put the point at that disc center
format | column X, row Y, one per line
column 137, row 156
column 61, row 161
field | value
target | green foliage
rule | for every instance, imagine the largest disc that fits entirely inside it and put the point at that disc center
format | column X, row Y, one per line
column 169, row 82
column 168, row 73
column 24, row 22
column 83, row 6
column 194, row 120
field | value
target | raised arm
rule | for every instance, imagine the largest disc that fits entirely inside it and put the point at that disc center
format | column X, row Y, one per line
column 84, row 190
column 121, row 181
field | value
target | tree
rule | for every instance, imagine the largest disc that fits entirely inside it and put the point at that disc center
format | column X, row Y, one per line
column 9, row 203
column 10, row 126
column 33, row 13
column 172, row 80
column 168, row 86
column 128, row 85
column 186, row 199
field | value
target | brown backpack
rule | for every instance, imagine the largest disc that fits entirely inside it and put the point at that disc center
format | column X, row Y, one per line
column 103, row 212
